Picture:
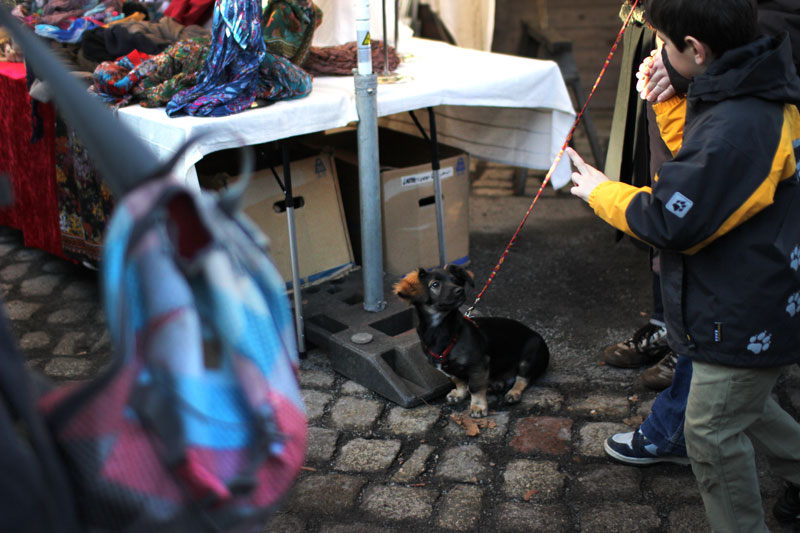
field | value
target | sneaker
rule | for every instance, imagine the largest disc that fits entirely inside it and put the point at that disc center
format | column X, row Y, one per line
column 634, row 449
column 787, row 510
column 645, row 347
column 659, row 376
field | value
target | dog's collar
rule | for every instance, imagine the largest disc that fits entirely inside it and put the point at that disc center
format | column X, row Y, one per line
column 441, row 357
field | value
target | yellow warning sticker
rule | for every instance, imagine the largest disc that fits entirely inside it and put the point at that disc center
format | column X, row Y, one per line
column 367, row 40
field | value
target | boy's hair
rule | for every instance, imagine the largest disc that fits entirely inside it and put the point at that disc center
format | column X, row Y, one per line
column 720, row 24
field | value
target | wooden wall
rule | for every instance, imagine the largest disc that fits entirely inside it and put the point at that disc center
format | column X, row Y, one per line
column 591, row 26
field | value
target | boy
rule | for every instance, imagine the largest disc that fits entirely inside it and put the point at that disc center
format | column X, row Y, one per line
column 725, row 215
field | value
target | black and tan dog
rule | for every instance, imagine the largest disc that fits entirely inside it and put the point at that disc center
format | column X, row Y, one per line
column 479, row 354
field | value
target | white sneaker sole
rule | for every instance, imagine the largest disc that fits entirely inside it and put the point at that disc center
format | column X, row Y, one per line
column 643, row 461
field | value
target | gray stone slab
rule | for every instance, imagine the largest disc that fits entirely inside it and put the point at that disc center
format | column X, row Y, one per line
column 594, row 434
column 395, row 503
column 357, row 414
column 525, row 517
column 367, row 455
column 413, row 421
column 466, row 464
column 315, row 402
column 541, row 398
column 609, row 482
column 14, row 272
column 318, row 379
column 325, row 494
column 40, row 285
column 67, row 368
column 678, row 484
column 284, row 523
column 600, row 406
column 72, row 314
column 533, row 480
column 461, row 508
column 71, row 344
column 415, row 465
column 321, row 444
column 33, row 340
column 19, row 310
column 616, row 517
column 689, row 518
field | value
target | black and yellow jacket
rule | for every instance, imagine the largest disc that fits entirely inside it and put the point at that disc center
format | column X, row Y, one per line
column 725, row 212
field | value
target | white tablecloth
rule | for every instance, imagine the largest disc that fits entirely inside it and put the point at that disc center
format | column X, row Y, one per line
column 497, row 107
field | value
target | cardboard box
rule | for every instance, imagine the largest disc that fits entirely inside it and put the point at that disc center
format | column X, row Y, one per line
column 409, row 211
column 323, row 244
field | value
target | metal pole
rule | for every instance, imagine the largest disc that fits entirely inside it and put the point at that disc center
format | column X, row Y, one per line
column 437, row 187
column 385, row 42
column 368, row 166
column 296, row 282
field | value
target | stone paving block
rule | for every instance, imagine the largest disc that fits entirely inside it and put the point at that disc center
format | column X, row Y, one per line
column 5, row 289
column 414, row 465
column 315, row 402
column 19, row 310
column 70, row 344
column 542, row 435
column 33, row 340
column 616, row 517
column 411, row 422
column 72, row 314
column 533, row 480
column 349, row 413
column 495, row 434
column 103, row 342
column 317, row 379
column 284, row 523
column 394, row 503
column 352, row 388
column 58, row 267
column 541, row 398
column 677, row 484
column 461, row 508
column 594, row 434
column 794, row 399
column 14, row 272
column 41, row 285
column 600, row 406
column 643, row 408
column 321, row 444
column 67, row 368
column 30, row 254
column 514, row 517
column 612, row 482
column 467, row 464
column 367, row 455
column 688, row 518
column 81, row 290
column 328, row 494
column 358, row 528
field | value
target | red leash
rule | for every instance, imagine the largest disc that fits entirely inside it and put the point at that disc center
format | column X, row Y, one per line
column 556, row 161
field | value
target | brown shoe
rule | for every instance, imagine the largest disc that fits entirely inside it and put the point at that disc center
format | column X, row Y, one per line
column 659, row 376
column 645, row 347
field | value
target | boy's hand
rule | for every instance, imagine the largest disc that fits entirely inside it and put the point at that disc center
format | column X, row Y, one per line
column 654, row 84
column 586, row 177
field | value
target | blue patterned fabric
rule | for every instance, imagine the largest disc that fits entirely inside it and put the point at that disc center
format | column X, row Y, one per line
column 228, row 83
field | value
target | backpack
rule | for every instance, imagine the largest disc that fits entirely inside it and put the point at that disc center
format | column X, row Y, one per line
column 197, row 424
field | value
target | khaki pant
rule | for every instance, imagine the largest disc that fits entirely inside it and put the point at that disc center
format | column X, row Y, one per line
column 729, row 411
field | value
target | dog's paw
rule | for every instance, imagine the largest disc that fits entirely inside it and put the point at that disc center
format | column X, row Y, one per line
column 513, row 396
column 477, row 410
column 455, row 396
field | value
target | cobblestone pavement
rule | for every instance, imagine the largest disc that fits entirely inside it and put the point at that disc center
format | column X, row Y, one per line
column 374, row 466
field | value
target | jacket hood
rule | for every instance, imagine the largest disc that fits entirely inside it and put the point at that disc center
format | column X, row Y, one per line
column 762, row 69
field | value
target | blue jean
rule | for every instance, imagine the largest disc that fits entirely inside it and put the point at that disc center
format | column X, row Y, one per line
column 664, row 426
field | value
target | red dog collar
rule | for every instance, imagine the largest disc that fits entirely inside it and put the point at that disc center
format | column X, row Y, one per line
column 442, row 356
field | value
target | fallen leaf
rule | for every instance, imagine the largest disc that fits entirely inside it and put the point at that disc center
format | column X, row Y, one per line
column 417, row 485
column 634, row 421
column 634, row 398
column 529, row 494
column 601, row 363
column 308, row 469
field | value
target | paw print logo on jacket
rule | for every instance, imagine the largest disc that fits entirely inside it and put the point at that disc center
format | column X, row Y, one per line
column 760, row 343
column 793, row 306
column 795, row 264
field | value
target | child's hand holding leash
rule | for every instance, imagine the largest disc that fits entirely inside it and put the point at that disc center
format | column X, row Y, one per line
column 586, row 177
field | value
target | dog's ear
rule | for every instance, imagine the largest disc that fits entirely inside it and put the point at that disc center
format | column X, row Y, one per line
column 410, row 288
column 461, row 274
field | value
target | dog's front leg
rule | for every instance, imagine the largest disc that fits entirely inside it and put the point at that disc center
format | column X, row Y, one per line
column 459, row 393
column 515, row 394
column 478, row 383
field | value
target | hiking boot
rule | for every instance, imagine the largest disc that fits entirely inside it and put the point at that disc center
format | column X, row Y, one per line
column 787, row 509
column 645, row 347
column 659, row 376
column 633, row 448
